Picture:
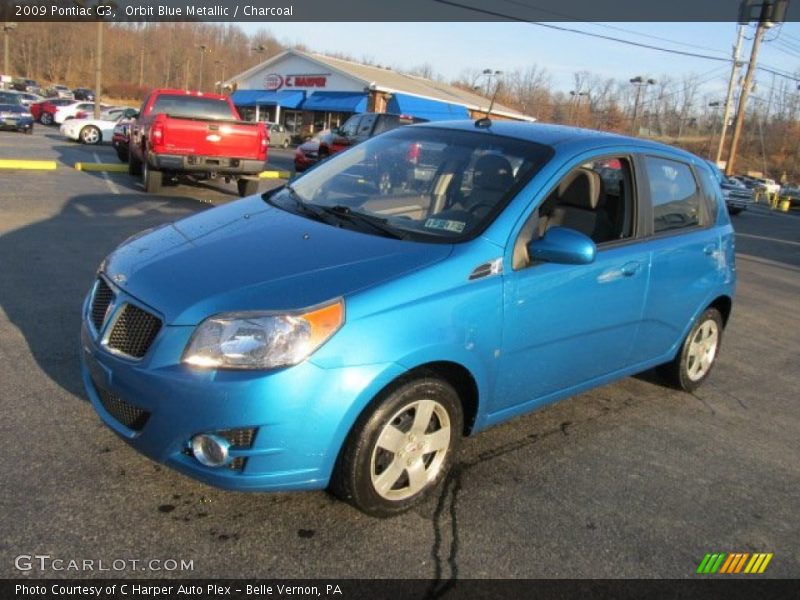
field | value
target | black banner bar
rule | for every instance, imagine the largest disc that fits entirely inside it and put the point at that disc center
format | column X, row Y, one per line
column 267, row 11
column 722, row 588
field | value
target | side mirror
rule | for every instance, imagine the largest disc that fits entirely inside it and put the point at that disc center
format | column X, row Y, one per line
column 564, row 246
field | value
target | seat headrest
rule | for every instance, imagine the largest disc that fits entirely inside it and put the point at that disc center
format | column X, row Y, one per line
column 580, row 189
column 493, row 172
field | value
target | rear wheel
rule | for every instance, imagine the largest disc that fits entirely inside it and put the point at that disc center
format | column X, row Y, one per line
column 697, row 355
column 91, row 135
column 247, row 187
column 151, row 178
column 46, row 118
column 400, row 449
column 734, row 211
column 134, row 164
column 122, row 155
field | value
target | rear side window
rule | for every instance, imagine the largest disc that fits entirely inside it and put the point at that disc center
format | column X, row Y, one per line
column 674, row 194
column 192, row 106
column 365, row 125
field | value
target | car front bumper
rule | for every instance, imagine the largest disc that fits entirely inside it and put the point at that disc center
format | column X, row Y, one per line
column 301, row 415
column 206, row 164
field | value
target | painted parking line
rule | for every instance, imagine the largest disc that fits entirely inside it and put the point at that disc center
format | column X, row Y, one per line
column 28, row 165
column 111, row 185
column 767, row 239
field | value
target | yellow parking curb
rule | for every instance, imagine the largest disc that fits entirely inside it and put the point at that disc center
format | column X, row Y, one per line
column 274, row 175
column 38, row 165
column 101, row 167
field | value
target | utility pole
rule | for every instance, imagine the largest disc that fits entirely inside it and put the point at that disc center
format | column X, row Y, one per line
column 202, row 55
column 772, row 11
column 726, row 114
column 98, row 70
column 7, row 29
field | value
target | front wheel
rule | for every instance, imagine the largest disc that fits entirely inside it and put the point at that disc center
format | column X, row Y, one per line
column 247, row 187
column 697, row 355
column 400, row 449
column 734, row 211
column 46, row 118
column 91, row 135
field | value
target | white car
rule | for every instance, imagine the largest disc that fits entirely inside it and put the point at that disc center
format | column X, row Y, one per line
column 95, row 131
column 61, row 91
column 70, row 111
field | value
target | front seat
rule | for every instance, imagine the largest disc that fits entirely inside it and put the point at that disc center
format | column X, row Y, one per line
column 578, row 196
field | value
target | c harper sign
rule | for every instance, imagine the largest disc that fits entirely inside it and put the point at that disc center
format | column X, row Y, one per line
column 275, row 82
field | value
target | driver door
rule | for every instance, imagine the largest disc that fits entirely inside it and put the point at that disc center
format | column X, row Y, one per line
column 566, row 325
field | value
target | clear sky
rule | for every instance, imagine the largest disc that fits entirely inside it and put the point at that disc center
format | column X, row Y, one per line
column 452, row 47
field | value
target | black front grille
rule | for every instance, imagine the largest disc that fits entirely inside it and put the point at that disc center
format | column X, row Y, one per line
column 102, row 298
column 134, row 331
column 129, row 415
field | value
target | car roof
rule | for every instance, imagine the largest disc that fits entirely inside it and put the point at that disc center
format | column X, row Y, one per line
column 557, row 135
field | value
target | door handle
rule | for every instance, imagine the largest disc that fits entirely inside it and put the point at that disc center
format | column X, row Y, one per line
column 709, row 249
column 630, row 269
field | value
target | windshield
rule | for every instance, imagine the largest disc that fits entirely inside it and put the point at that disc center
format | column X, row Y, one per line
column 193, row 107
column 418, row 182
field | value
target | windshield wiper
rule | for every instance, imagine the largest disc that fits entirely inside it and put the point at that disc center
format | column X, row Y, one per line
column 310, row 210
column 377, row 223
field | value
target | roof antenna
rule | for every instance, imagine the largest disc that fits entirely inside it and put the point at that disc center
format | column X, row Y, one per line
column 486, row 121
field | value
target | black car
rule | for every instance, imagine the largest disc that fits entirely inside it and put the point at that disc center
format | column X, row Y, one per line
column 83, row 94
column 15, row 118
column 355, row 130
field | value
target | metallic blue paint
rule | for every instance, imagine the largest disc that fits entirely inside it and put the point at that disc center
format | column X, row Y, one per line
column 527, row 337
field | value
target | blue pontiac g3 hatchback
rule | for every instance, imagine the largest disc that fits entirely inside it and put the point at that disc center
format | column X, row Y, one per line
column 345, row 330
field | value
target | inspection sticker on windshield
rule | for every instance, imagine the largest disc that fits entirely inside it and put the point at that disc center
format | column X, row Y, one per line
column 445, row 224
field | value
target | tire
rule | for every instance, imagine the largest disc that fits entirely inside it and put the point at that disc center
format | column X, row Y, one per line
column 90, row 135
column 134, row 165
column 734, row 211
column 122, row 155
column 698, row 353
column 383, row 468
column 29, row 130
column 151, row 178
column 385, row 183
column 247, row 187
column 46, row 118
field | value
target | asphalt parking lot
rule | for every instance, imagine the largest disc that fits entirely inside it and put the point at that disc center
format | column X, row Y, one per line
column 629, row 480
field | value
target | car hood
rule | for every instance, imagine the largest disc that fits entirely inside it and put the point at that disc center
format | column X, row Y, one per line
column 249, row 255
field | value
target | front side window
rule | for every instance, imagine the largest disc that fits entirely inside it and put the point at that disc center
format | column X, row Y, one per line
column 673, row 193
column 420, row 183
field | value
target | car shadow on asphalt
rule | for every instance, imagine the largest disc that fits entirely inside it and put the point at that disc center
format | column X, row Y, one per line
column 53, row 267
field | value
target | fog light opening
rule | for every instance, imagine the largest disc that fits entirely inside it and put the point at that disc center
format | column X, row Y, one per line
column 211, row 450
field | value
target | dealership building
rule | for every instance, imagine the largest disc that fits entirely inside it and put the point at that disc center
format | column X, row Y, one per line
column 310, row 92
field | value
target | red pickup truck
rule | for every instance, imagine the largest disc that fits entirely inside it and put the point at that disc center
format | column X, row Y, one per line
column 197, row 134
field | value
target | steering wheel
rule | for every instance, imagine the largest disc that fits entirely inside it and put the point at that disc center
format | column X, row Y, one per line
column 475, row 209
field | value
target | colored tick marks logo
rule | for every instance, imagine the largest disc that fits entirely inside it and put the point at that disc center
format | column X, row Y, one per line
column 734, row 562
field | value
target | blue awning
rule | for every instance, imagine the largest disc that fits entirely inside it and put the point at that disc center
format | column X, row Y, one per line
column 337, row 102
column 433, row 110
column 284, row 98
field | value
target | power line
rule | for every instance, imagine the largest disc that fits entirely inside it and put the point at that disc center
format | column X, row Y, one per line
column 612, row 27
column 580, row 32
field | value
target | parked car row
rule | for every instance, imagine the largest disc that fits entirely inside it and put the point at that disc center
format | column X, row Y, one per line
column 15, row 117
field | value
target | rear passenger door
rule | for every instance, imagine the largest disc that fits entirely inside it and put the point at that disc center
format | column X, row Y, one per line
column 686, row 252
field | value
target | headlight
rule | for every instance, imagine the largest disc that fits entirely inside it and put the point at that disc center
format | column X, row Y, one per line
column 262, row 340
